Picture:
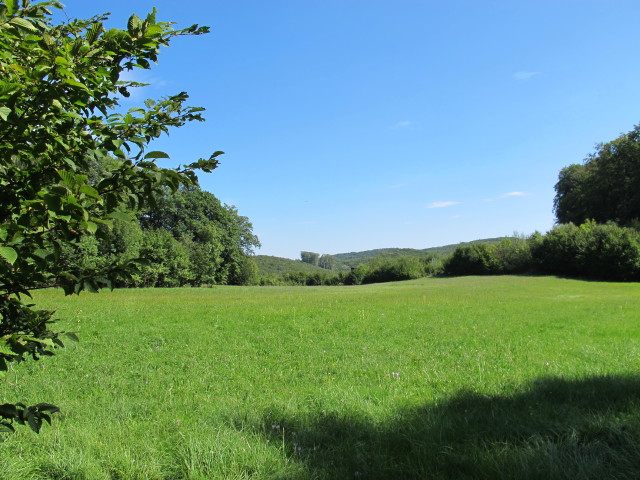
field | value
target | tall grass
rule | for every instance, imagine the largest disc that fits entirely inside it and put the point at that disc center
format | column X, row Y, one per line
column 493, row 377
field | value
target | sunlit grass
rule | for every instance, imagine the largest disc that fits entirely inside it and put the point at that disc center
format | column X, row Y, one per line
column 439, row 378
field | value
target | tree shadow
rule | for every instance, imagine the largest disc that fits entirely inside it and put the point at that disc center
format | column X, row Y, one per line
column 552, row 429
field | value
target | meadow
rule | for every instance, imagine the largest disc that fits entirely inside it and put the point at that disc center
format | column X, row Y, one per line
column 451, row 378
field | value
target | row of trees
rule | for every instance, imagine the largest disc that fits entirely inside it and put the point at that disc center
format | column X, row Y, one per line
column 378, row 269
column 597, row 207
column 591, row 250
column 187, row 238
column 325, row 261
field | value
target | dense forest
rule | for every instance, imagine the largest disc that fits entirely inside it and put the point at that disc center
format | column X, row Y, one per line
column 186, row 238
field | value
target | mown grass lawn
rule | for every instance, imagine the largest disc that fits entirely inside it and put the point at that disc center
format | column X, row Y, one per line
column 493, row 377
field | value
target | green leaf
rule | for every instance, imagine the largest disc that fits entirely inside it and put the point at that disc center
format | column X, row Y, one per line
column 74, row 83
column 156, row 154
column 8, row 410
column 11, row 6
column 6, row 87
column 134, row 24
column 125, row 217
column 68, row 178
column 9, row 254
column 90, row 227
column 5, row 349
column 47, row 407
column 4, row 113
column 62, row 61
column 24, row 23
column 94, row 32
column 89, row 191
column 48, row 39
column 35, row 422
column 44, row 341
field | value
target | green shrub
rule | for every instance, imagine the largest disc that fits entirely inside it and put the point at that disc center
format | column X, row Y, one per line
column 513, row 255
column 603, row 252
column 394, row 269
column 474, row 259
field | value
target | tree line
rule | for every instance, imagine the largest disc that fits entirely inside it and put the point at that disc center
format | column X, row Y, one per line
column 597, row 236
column 597, row 208
column 188, row 238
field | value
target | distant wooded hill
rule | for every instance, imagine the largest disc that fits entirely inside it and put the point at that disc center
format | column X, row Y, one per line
column 353, row 259
column 270, row 266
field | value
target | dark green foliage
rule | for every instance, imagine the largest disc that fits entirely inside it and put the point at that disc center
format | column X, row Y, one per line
column 393, row 269
column 246, row 272
column 475, row 259
column 603, row 252
column 215, row 238
column 167, row 261
column 606, row 187
column 509, row 256
column 70, row 165
column 513, row 255
column 599, row 252
column 22, row 415
column 187, row 238
column 308, row 279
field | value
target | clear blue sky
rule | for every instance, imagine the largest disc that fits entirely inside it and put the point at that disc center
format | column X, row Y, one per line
column 357, row 124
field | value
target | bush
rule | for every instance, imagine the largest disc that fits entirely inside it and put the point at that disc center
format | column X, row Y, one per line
column 602, row 252
column 393, row 269
column 513, row 255
column 474, row 259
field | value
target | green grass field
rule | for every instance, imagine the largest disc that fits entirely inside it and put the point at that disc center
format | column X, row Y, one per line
column 494, row 377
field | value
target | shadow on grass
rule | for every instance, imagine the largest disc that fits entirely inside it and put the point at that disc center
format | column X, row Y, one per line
column 554, row 429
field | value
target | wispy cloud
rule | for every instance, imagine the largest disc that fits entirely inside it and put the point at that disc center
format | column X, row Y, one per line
column 401, row 125
column 395, row 186
column 514, row 194
column 442, row 204
column 525, row 75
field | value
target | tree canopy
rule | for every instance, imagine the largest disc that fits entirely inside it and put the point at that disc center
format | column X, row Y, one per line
column 606, row 187
column 59, row 119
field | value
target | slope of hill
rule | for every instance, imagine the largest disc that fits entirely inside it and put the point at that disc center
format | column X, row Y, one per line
column 273, row 266
column 276, row 266
column 353, row 259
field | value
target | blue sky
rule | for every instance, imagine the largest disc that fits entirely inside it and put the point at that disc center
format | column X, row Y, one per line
column 357, row 124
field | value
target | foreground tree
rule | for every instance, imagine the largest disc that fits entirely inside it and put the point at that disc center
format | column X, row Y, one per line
column 58, row 91
column 606, row 187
